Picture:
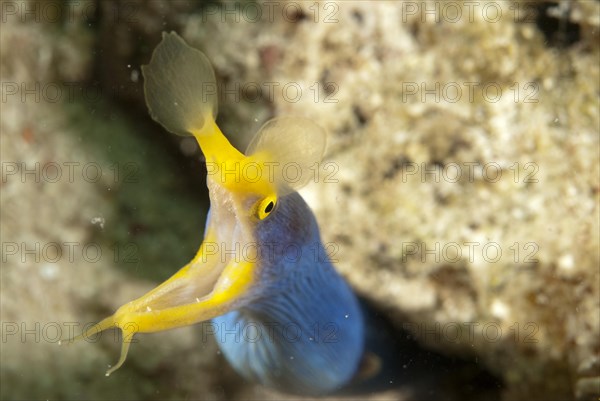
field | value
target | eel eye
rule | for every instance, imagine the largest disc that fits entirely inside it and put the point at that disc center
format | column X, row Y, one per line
column 266, row 206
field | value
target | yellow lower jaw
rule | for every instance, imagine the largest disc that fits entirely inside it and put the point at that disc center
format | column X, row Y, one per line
column 163, row 307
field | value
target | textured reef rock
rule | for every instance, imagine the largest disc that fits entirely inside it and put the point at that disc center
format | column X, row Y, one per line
column 459, row 193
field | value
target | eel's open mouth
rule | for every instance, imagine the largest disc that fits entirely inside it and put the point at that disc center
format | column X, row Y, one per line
column 212, row 284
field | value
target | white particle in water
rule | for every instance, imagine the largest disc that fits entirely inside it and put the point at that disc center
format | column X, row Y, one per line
column 99, row 220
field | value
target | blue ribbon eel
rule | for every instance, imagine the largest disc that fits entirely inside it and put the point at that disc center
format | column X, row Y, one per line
column 306, row 324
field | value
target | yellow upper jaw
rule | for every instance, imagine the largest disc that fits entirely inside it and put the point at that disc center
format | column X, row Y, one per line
column 214, row 144
column 231, row 168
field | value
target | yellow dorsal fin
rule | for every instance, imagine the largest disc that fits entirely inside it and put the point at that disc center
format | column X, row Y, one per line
column 294, row 146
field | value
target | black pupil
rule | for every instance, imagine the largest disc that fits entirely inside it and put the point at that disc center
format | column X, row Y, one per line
column 269, row 207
